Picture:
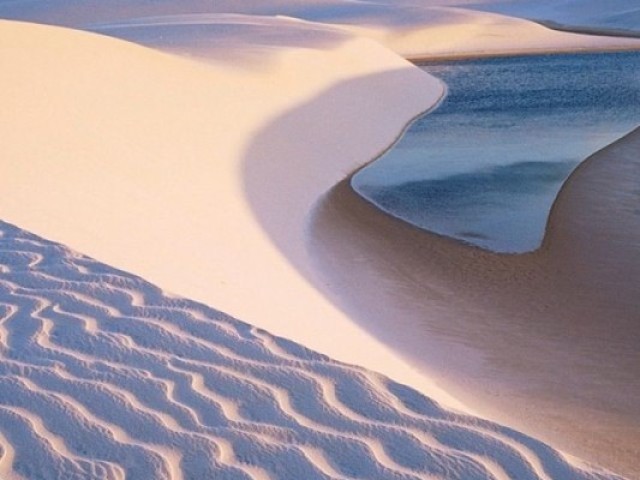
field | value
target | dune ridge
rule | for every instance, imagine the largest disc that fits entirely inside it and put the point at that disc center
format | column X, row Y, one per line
column 93, row 144
column 113, row 159
column 103, row 375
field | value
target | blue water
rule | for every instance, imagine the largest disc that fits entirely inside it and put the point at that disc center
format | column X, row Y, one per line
column 486, row 166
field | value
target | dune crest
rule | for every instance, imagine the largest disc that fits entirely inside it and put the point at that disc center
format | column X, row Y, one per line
column 144, row 155
column 204, row 179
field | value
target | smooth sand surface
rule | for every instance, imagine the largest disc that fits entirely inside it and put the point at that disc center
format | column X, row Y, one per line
column 545, row 341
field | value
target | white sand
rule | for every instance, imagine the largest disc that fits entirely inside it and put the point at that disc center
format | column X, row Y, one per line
column 201, row 178
column 104, row 376
column 159, row 166
column 425, row 29
column 621, row 17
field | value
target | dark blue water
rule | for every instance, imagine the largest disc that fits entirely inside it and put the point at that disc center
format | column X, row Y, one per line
column 486, row 166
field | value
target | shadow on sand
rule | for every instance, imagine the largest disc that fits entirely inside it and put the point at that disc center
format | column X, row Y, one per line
column 545, row 341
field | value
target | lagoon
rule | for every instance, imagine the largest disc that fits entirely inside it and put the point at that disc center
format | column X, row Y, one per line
column 487, row 164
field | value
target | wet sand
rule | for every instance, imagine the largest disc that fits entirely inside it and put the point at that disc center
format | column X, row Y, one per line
column 445, row 57
column 546, row 342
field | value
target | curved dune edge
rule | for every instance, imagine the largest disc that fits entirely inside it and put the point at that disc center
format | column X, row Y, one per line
column 542, row 341
column 596, row 217
column 159, row 111
column 113, row 124
column 428, row 33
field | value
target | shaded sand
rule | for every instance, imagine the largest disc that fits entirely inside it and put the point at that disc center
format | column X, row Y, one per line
column 546, row 341
column 139, row 161
column 246, row 41
column 105, row 376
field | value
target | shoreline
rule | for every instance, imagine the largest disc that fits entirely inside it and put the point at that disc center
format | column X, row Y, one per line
column 587, row 30
column 479, row 315
column 557, row 50
column 260, row 268
column 445, row 57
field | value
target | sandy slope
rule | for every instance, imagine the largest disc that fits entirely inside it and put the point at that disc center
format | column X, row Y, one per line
column 145, row 155
column 103, row 375
column 237, row 156
column 133, row 156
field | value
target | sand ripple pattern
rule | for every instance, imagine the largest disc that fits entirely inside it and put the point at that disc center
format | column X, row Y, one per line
column 105, row 376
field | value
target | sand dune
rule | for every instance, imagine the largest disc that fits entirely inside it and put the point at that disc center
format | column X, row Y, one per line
column 145, row 157
column 204, row 178
column 246, row 41
column 103, row 375
column 428, row 29
column 615, row 18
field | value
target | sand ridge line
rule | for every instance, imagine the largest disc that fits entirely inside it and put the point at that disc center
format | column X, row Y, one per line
column 49, row 445
column 136, row 342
